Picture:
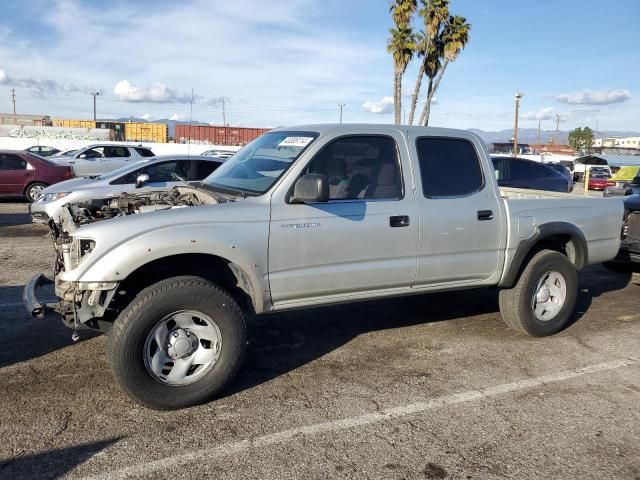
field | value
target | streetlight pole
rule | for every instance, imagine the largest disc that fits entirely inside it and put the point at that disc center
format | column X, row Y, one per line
column 341, row 105
column 94, row 94
column 515, row 127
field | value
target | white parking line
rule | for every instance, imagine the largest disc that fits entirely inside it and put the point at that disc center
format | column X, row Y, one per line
column 359, row 421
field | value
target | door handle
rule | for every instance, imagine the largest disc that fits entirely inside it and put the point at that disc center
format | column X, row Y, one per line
column 399, row 221
column 485, row 215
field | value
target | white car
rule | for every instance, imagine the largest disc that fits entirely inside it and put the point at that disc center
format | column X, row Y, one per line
column 154, row 173
column 101, row 158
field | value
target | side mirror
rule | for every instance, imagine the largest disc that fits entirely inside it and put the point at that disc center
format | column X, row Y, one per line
column 82, row 155
column 311, row 188
column 141, row 180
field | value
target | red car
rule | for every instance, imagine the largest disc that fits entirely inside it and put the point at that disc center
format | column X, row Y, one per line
column 600, row 182
column 25, row 174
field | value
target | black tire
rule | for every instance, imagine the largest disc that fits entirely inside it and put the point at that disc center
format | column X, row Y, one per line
column 30, row 191
column 130, row 330
column 619, row 267
column 516, row 303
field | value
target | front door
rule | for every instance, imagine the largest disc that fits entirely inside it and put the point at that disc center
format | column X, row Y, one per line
column 363, row 239
column 462, row 235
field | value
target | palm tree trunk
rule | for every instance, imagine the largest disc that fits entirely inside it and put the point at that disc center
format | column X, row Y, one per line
column 427, row 104
column 416, row 92
column 433, row 87
column 397, row 100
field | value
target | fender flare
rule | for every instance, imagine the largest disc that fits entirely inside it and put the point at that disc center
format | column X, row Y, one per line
column 578, row 253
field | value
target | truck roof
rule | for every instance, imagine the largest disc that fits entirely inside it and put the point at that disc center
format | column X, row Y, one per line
column 324, row 128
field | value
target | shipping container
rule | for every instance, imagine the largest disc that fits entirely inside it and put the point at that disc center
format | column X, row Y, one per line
column 145, row 132
column 206, row 134
column 25, row 120
column 57, row 122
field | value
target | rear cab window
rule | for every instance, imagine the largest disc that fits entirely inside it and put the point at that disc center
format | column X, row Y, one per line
column 449, row 167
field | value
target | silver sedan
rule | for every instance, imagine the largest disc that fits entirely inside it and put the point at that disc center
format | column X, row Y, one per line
column 149, row 174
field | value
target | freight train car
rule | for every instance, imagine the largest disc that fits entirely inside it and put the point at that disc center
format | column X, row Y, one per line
column 145, row 132
column 206, row 134
column 25, row 120
column 59, row 122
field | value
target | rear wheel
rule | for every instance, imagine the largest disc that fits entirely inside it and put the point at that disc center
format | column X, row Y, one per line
column 542, row 301
column 178, row 343
column 34, row 191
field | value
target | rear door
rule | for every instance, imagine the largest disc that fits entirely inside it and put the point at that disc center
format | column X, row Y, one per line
column 115, row 156
column 14, row 174
column 363, row 239
column 461, row 217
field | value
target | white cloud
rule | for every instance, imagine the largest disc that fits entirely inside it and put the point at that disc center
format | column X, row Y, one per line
column 542, row 114
column 154, row 93
column 594, row 97
column 147, row 116
column 383, row 106
column 178, row 117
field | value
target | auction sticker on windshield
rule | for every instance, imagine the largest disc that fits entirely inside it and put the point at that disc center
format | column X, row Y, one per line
column 295, row 142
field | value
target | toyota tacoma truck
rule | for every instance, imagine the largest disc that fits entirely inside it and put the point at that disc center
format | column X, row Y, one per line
column 307, row 216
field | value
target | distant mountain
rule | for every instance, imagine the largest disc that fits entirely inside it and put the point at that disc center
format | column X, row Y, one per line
column 530, row 135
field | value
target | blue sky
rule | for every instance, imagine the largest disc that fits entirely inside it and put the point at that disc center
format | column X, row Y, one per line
column 293, row 61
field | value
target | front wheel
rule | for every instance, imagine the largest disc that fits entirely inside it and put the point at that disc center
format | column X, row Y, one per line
column 542, row 301
column 178, row 343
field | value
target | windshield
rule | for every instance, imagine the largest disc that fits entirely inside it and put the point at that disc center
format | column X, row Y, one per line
column 256, row 167
column 119, row 171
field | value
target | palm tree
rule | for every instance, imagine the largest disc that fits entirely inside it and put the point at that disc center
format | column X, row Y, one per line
column 401, row 47
column 434, row 14
column 453, row 39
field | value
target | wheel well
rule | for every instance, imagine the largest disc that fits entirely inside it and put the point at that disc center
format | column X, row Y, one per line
column 211, row 267
column 572, row 246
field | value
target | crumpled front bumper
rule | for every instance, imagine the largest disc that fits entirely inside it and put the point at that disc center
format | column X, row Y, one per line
column 36, row 307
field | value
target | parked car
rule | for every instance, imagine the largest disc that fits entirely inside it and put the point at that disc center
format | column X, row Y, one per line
column 588, row 162
column 521, row 173
column 102, row 158
column 25, row 174
column 66, row 153
column 163, row 172
column 564, row 170
column 599, row 181
column 626, row 188
column 307, row 216
column 218, row 153
column 628, row 258
column 42, row 150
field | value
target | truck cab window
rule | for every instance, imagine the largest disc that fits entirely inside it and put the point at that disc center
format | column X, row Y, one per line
column 449, row 167
column 360, row 167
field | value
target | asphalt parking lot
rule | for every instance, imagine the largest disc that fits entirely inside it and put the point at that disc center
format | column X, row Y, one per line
column 424, row 387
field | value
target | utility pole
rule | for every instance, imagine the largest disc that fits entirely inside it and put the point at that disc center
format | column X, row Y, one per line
column 539, row 121
column 94, row 94
column 519, row 95
column 557, row 127
column 190, row 121
column 224, row 112
column 13, row 98
column 341, row 105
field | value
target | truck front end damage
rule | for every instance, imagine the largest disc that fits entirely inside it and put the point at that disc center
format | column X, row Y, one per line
column 91, row 304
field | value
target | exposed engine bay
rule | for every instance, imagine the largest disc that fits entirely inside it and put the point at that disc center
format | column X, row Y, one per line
column 136, row 203
column 74, row 215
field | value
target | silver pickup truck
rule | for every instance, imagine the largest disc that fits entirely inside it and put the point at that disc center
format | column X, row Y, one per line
column 304, row 216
